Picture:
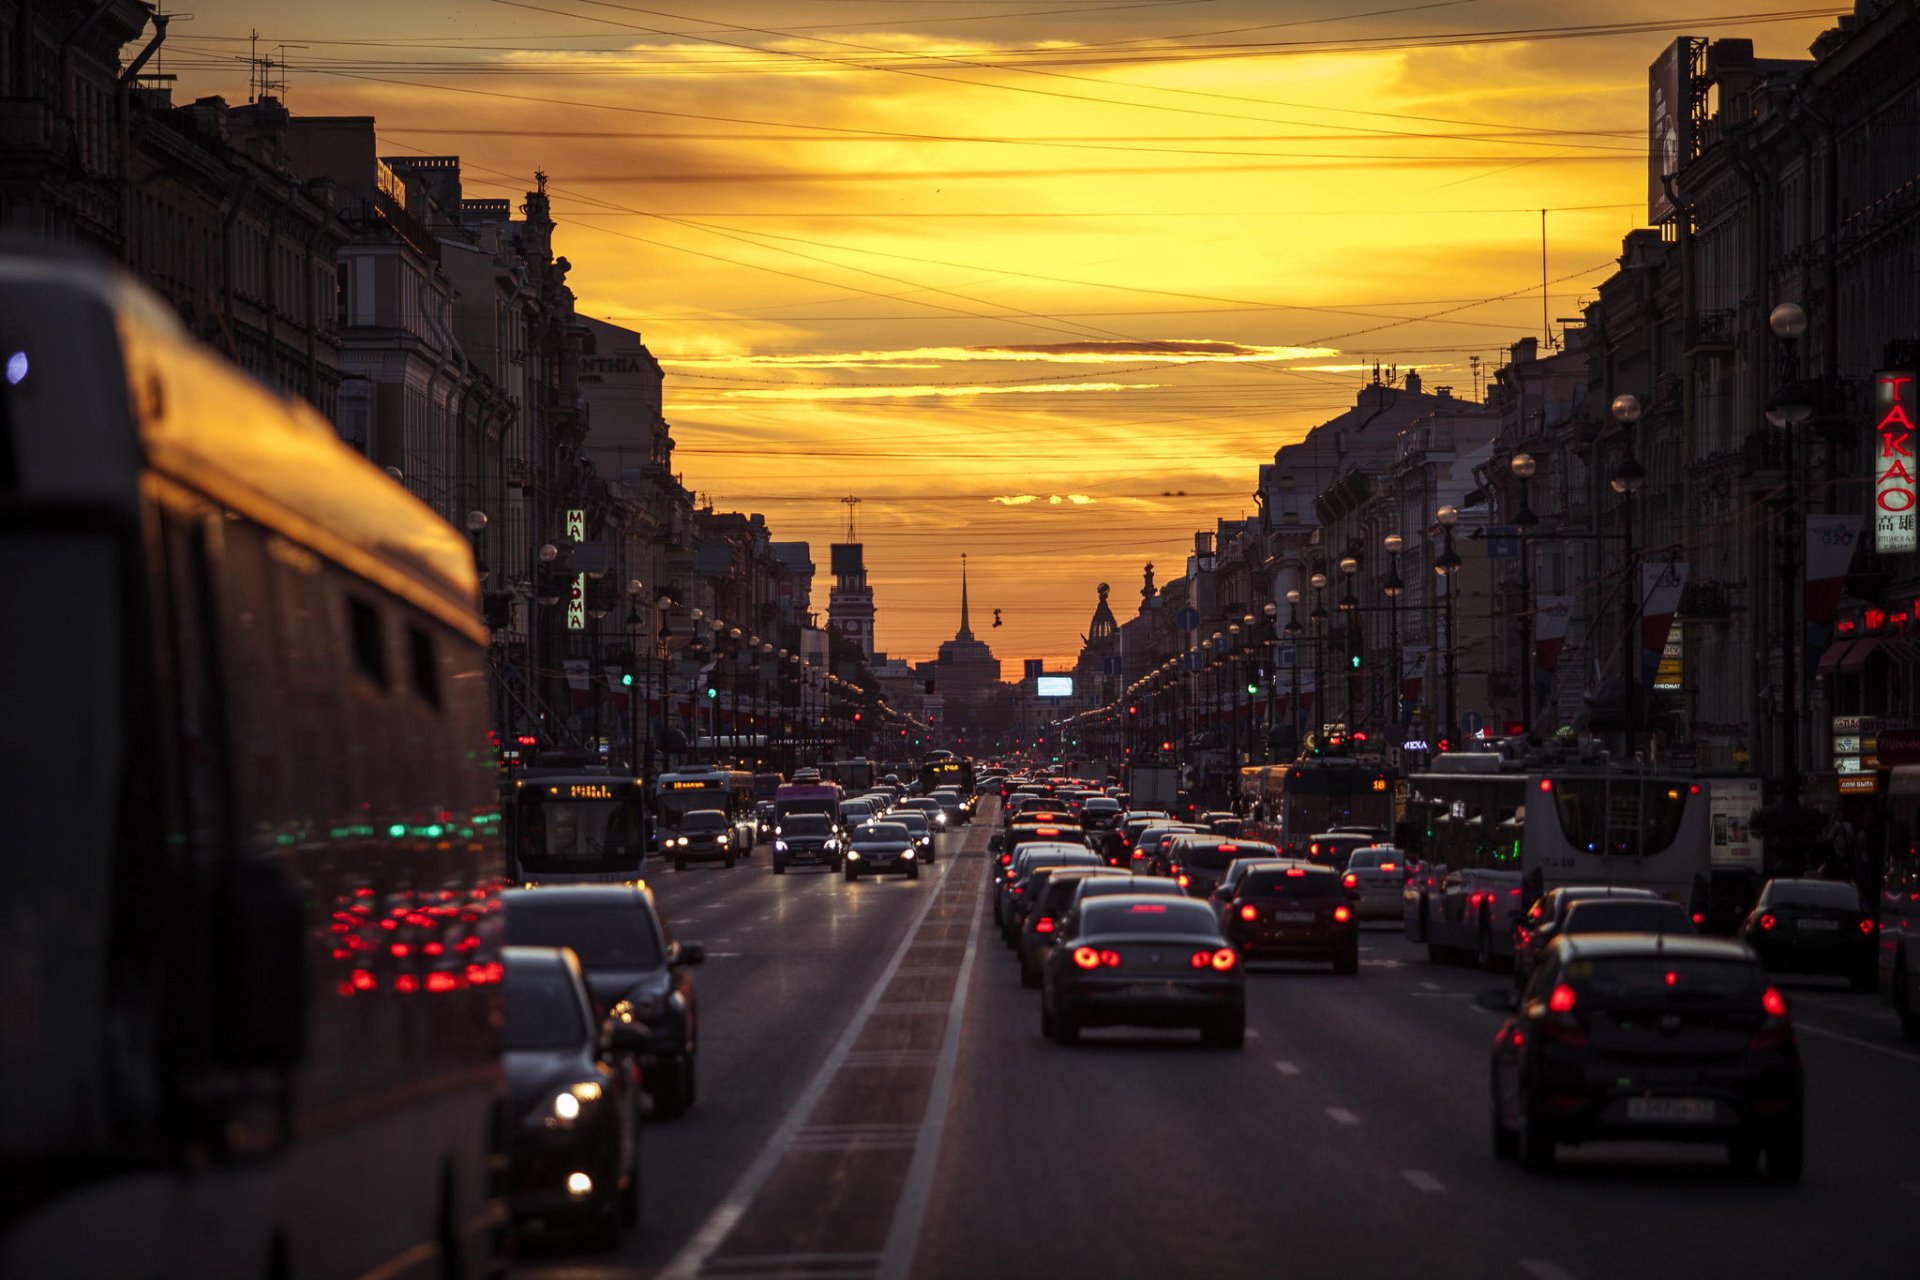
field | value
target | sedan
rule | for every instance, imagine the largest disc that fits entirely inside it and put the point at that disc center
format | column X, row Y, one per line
column 1052, row 889
column 1814, row 926
column 876, row 847
column 1542, row 923
column 1376, row 876
column 1294, row 911
column 1016, row 890
column 1198, row 862
column 573, row 1153
column 635, row 971
column 1626, row 915
column 922, row 831
column 1660, row 1039
column 1144, row 961
column 705, row 834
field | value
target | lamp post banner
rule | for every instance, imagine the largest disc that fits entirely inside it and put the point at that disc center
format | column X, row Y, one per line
column 616, row 688
column 578, row 680
column 1413, row 673
column 1894, row 410
column 1831, row 541
column 1550, row 619
column 1660, row 585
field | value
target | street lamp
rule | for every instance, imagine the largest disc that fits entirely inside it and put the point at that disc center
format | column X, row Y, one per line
column 1626, row 479
column 1789, row 407
column 1522, row 465
column 1392, row 588
column 1317, row 618
column 1447, row 567
column 476, row 524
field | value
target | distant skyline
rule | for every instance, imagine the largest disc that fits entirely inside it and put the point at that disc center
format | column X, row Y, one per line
column 1044, row 283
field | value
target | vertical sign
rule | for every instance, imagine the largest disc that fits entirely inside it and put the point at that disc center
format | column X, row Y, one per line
column 1893, row 488
column 1660, row 587
column 1669, row 124
column 577, row 588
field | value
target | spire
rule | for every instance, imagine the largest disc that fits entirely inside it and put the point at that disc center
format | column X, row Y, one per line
column 966, row 632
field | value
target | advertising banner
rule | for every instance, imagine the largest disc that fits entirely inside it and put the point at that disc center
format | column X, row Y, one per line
column 1733, row 803
column 578, row 681
column 1894, row 407
column 1551, row 617
column 1660, row 585
column 1669, row 120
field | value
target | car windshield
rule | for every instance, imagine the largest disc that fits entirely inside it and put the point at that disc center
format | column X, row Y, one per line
column 1292, row 883
column 1565, row 899
column 572, row 835
column 1373, row 859
column 912, row 819
column 1117, row 915
column 1836, row 894
column 875, row 834
column 1601, row 915
column 543, row 1009
column 703, row 820
column 616, row 934
column 1625, row 981
column 804, row 824
column 1205, row 855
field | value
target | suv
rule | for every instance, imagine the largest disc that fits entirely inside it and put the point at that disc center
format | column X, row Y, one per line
column 1333, row 848
column 1293, row 911
column 806, row 837
column 1197, row 862
column 704, row 834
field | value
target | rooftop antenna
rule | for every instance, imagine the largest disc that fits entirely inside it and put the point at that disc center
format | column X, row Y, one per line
column 851, row 503
column 267, row 76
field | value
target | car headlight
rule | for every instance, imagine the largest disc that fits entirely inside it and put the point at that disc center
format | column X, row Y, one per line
column 833, row 844
column 779, row 846
column 569, row 1104
column 906, row 853
column 939, row 819
column 682, row 840
column 853, row 855
column 725, row 838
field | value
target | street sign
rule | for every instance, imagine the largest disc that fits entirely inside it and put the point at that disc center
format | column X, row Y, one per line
column 1472, row 722
column 1287, row 655
column 1196, row 661
column 1503, row 542
column 1188, row 618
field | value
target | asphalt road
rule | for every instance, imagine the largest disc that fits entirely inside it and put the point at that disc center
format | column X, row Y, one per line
column 876, row 1101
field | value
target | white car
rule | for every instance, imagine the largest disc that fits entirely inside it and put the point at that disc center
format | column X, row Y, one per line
column 1377, row 876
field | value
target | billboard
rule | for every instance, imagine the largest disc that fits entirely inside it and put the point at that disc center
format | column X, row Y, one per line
column 1732, row 804
column 1893, row 481
column 1053, row 687
column 1670, row 118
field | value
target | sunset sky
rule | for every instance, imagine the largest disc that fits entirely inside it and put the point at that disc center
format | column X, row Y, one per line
column 1043, row 281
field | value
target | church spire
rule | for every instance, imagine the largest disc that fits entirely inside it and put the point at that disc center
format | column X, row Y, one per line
column 966, row 632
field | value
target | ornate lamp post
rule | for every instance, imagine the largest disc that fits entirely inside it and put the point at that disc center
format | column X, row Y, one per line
column 1788, row 408
column 1392, row 588
column 1349, row 608
column 1293, row 630
column 1522, row 466
column 1627, row 477
column 1272, row 613
column 1318, row 618
column 1447, row 567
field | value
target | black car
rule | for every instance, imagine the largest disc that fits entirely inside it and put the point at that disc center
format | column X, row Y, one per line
column 1051, row 890
column 1099, row 813
column 1541, row 925
column 801, row 838
column 573, row 1151
column 634, row 969
column 1125, row 882
column 1016, row 889
column 1294, row 911
column 1626, row 915
column 704, row 835
column 1143, row 961
column 1814, row 926
column 1198, row 862
column 1655, row 1038
column 875, row 847
column 920, row 827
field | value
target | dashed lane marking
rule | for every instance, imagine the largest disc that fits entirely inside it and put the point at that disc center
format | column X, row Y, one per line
column 1857, row 1042
column 1541, row 1269
column 1342, row 1116
column 1286, row 1068
column 1431, row 986
column 1422, row 1180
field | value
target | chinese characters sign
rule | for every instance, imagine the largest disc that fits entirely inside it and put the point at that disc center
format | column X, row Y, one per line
column 1893, row 486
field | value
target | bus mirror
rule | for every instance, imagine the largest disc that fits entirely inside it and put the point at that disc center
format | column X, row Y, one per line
column 260, row 963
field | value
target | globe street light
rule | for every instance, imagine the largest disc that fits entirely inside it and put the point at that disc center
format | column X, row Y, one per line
column 1447, row 566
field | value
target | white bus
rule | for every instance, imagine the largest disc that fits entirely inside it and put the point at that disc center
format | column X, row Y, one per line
column 1607, row 826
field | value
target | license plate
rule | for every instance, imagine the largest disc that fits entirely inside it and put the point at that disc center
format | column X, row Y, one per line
column 1294, row 917
column 1824, row 926
column 1151, row 990
column 1671, row 1110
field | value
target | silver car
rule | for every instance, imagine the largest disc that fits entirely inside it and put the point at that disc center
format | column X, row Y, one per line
column 1377, row 877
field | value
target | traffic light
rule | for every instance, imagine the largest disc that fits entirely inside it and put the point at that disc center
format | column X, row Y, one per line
column 1253, row 686
column 1133, row 711
column 712, row 692
column 1355, row 661
column 856, row 717
column 626, row 678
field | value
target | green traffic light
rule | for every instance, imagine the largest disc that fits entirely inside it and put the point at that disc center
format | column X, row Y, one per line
column 712, row 692
column 626, row 678
column 1252, row 687
column 1356, row 662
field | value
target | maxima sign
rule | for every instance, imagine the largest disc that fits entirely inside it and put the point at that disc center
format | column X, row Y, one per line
column 1893, row 484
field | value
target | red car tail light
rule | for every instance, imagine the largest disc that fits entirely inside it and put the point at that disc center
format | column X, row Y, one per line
column 1775, row 1030
column 1350, row 880
column 1561, row 1000
column 1249, row 913
column 1296, row 873
column 1774, row 1003
column 1183, row 880
column 1111, row 959
column 1342, row 913
column 1866, row 926
column 1086, row 957
column 1699, row 917
column 1043, row 925
column 1224, row 959
column 1767, row 922
column 1200, row 959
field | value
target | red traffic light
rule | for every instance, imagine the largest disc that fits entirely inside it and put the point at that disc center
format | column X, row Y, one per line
column 1133, row 711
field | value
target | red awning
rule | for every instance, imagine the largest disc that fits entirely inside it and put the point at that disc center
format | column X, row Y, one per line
column 1835, row 654
column 1856, row 657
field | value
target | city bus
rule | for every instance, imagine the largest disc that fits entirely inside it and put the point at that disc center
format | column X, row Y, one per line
column 945, row 770
column 1597, row 825
column 249, row 970
column 1465, row 826
column 1304, row 797
column 575, row 826
column 685, row 790
column 855, row 776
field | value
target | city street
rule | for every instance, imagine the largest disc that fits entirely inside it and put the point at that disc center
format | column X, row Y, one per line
column 876, row 1100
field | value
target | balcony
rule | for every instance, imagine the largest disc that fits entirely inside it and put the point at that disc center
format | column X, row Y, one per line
column 1710, row 332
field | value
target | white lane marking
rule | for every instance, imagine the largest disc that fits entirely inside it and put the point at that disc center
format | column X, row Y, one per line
column 724, row 955
column 1858, row 1043
column 1439, row 995
column 1431, row 986
column 910, row 1211
column 1541, row 1269
column 1252, row 1034
column 1422, row 1180
column 1342, row 1116
column 712, row 1233
column 1286, row 1068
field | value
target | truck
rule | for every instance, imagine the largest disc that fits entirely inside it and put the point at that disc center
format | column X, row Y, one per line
column 1155, row 786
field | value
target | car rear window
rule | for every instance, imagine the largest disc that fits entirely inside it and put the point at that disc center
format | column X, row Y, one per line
column 1834, row 894
column 1170, row 915
column 1638, row 980
column 612, row 935
column 1106, row 886
column 1282, row 884
column 1599, row 915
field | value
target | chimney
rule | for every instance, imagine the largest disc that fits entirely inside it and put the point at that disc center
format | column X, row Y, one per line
column 1413, row 382
column 1526, row 351
column 1203, row 544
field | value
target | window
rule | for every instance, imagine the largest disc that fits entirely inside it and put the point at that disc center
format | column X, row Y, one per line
column 426, row 674
column 369, row 654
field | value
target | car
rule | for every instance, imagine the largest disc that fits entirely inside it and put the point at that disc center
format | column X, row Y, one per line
column 1197, row 862
column 1007, row 843
column 1052, row 890
column 764, row 818
column 855, row 812
column 573, row 1151
column 876, row 847
column 705, row 835
column 806, row 838
column 1126, row 828
column 1814, row 926
column 1143, row 960
column 1293, row 910
column 924, row 833
column 1125, row 882
column 1008, row 911
column 1220, row 821
column 1626, row 915
column 1652, row 1038
column 634, row 968
column 1333, row 848
column 1099, row 813
column 935, row 811
column 1542, row 922
column 1377, row 876
column 1237, row 871
column 1152, row 847
column 954, row 806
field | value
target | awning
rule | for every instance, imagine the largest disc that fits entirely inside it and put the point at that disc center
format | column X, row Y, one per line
column 1831, row 659
column 1856, row 657
column 1904, row 781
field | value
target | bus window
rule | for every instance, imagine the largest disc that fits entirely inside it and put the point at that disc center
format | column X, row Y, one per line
column 1619, row 817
